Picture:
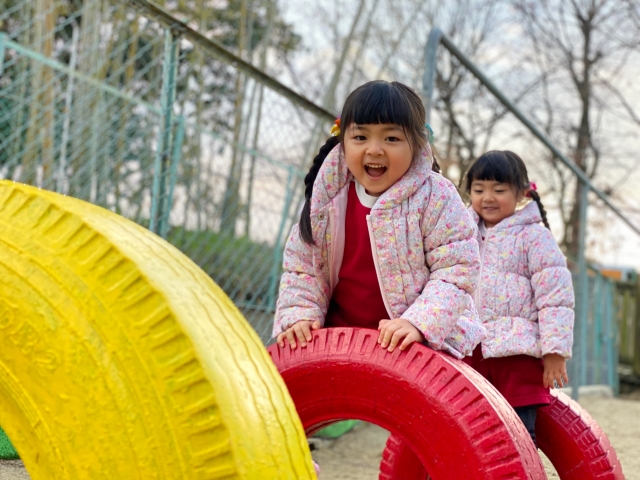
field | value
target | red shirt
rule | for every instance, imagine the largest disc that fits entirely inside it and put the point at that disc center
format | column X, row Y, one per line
column 356, row 300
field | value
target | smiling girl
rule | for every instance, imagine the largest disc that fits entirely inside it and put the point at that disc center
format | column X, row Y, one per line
column 384, row 241
column 524, row 296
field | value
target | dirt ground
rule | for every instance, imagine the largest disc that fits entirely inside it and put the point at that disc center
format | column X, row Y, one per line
column 12, row 470
column 356, row 455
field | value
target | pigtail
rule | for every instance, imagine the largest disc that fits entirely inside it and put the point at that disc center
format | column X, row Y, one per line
column 435, row 166
column 305, row 217
column 543, row 213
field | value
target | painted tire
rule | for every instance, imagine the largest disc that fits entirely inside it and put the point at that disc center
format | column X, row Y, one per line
column 121, row 359
column 574, row 443
column 399, row 462
column 437, row 405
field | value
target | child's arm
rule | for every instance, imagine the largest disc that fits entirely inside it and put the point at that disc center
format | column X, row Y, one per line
column 553, row 290
column 451, row 254
column 303, row 295
column 553, row 294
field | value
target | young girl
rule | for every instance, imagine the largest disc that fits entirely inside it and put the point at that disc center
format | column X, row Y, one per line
column 383, row 241
column 524, row 295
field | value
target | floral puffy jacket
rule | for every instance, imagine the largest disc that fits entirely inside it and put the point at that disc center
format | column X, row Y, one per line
column 424, row 247
column 525, row 295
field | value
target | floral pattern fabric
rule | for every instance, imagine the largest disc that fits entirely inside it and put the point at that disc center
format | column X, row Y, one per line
column 525, row 294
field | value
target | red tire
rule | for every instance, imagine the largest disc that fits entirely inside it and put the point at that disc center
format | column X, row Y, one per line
column 399, row 461
column 437, row 405
column 574, row 443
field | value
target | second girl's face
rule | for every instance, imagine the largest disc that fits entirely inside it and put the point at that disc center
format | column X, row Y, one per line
column 377, row 155
column 493, row 201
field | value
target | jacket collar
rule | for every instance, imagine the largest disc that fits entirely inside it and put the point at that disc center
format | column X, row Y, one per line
column 528, row 215
column 334, row 175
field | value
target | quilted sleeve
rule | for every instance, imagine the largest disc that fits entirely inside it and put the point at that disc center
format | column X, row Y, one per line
column 303, row 295
column 553, row 293
column 444, row 310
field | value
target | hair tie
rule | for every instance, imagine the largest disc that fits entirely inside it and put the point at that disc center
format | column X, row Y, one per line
column 335, row 130
column 532, row 188
column 431, row 134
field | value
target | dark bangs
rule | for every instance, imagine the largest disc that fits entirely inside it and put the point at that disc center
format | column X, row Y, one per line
column 500, row 166
column 383, row 102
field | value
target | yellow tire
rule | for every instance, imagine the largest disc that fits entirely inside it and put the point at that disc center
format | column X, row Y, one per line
column 120, row 359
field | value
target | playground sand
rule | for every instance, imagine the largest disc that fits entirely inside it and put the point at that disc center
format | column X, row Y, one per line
column 12, row 470
column 357, row 454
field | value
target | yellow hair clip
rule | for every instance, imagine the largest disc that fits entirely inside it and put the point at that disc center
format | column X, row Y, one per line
column 335, row 130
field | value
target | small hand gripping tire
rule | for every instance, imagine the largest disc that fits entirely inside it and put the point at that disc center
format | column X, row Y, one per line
column 121, row 359
column 439, row 406
column 566, row 433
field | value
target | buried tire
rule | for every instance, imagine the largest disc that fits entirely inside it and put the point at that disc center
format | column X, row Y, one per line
column 437, row 405
column 574, row 443
column 120, row 359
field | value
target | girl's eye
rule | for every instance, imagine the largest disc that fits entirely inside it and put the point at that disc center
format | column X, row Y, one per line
column 360, row 137
column 500, row 191
column 393, row 139
column 477, row 192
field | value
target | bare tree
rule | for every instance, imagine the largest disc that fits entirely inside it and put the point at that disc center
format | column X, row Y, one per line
column 466, row 116
column 583, row 51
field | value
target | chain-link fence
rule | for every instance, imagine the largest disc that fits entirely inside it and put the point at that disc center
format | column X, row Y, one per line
column 122, row 105
column 119, row 104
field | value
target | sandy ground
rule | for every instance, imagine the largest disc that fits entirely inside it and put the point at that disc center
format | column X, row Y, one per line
column 12, row 470
column 356, row 455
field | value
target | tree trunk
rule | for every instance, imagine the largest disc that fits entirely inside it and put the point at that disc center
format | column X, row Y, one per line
column 231, row 202
column 85, row 103
column 40, row 132
column 256, row 133
column 583, row 140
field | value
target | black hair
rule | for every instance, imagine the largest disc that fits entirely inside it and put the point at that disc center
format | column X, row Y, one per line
column 505, row 167
column 372, row 103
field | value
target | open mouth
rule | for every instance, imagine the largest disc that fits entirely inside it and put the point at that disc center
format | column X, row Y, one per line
column 374, row 170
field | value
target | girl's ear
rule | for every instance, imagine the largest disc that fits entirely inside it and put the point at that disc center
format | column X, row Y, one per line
column 520, row 195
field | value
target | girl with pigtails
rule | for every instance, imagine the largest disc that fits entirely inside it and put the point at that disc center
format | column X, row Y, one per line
column 524, row 295
column 384, row 241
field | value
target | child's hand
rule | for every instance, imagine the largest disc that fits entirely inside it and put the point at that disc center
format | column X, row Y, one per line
column 555, row 368
column 392, row 331
column 302, row 330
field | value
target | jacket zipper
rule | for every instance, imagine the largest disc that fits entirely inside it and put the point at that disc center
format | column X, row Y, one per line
column 476, row 295
column 374, row 252
column 332, row 225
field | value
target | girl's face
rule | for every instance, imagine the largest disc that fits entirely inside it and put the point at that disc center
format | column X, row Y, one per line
column 493, row 201
column 377, row 155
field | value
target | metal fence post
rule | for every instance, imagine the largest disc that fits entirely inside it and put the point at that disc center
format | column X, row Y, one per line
column 599, row 304
column 582, row 298
column 163, row 227
column 429, row 77
column 159, row 208
column 3, row 38
column 611, row 336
